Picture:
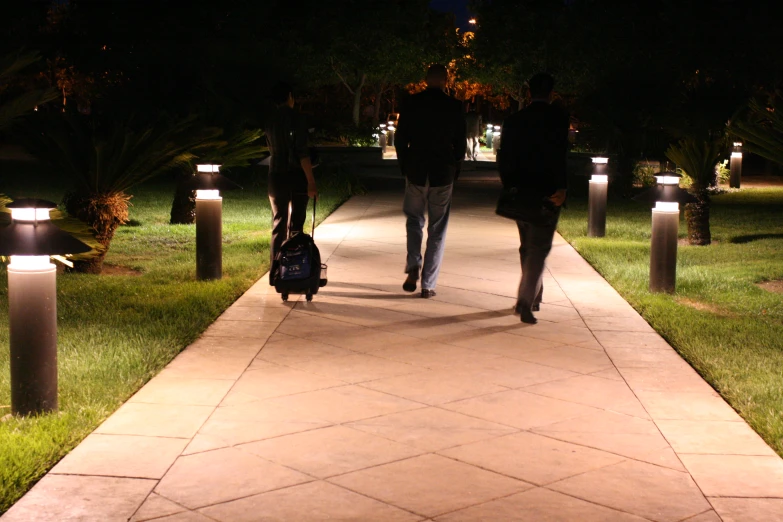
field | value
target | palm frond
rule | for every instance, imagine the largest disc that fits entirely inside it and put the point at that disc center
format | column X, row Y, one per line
column 114, row 158
column 761, row 130
column 697, row 159
column 81, row 231
column 20, row 104
column 235, row 150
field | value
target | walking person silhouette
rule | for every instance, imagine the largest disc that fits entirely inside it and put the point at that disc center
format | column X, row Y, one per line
column 430, row 146
column 532, row 158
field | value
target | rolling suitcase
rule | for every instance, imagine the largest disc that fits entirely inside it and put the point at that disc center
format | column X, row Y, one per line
column 298, row 267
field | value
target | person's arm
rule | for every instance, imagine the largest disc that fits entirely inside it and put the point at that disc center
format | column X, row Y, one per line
column 561, row 170
column 402, row 137
column 507, row 159
column 303, row 153
column 460, row 138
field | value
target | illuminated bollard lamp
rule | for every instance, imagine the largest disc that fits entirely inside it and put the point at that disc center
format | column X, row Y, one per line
column 735, row 165
column 32, row 302
column 208, row 182
column 382, row 140
column 667, row 196
column 390, row 136
column 496, row 139
column 596, row 202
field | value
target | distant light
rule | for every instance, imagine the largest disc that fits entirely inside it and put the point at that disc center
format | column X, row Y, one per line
column 497, row 128
column 30, row 214
column 207, row 194
column 600, row 160
column 29, row 263
column 668, row 180
column 667, row 206
column 472, row 21
column 599, row 178
column 489, row 126
column 736, row 154
column 738, row 144
column 208, row 168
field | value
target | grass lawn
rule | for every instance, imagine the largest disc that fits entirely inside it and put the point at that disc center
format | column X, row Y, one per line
column 719, row 320
column 117, row 331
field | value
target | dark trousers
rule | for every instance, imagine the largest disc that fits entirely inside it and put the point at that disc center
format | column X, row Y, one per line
column 280, row 197
column 536, row 242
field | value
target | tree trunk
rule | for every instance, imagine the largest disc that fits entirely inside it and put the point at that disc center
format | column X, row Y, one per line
column 104, row 213
column 697, row 216
column 624, row 168
column 357, row 100
column 183, row 208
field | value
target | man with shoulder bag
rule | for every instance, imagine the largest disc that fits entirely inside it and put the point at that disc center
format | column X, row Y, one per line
column 532, row 165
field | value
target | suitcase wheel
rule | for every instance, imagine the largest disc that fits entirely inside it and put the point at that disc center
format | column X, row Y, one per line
column 285, row 297
column 309, row 296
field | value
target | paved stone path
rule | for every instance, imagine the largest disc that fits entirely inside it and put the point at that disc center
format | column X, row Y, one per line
column 372, row 405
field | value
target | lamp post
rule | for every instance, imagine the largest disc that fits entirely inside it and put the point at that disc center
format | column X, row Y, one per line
column 596, row 206
column 32, row 302
column 391, row 130
column 488, row 135
column 667, row 196
column 735, row 165
column 496, row 139
column 208, row 182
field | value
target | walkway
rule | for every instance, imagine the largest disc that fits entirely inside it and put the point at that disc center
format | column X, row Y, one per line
column 372, row 405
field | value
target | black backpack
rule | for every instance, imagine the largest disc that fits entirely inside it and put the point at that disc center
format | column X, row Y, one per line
column 298, row 266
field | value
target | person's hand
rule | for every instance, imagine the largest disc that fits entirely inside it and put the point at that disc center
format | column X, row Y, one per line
column 558, row 198
column 312, row 191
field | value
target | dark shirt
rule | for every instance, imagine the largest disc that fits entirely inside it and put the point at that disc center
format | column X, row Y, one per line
column 286, row 137
column 430, row 138
column 533, row 149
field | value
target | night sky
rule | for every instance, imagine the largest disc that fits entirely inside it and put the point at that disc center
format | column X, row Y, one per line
column 458, row 7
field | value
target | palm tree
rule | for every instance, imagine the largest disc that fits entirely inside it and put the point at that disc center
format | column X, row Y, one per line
column 105, row 162
column 761, row 129
column 16, row 106
column 235, row 151
column 697, row 159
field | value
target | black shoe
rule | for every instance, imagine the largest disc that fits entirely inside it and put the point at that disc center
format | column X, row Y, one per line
column 410, row 284
column 426, row 294
column 526, row 316
column 536, row 307
column 525, row 313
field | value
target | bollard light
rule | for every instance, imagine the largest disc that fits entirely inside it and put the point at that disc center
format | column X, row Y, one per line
column 208, row 182
column 596, row 206
column 667, row 196
column 382, row 141
column 390, row 137
column 735, row 165
column 496, row 139
column 32, row 302
column 488, row 135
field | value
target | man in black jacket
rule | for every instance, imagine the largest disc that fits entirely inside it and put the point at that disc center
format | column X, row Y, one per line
column 291, row 180
column 430, row 146
column 532, row 158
